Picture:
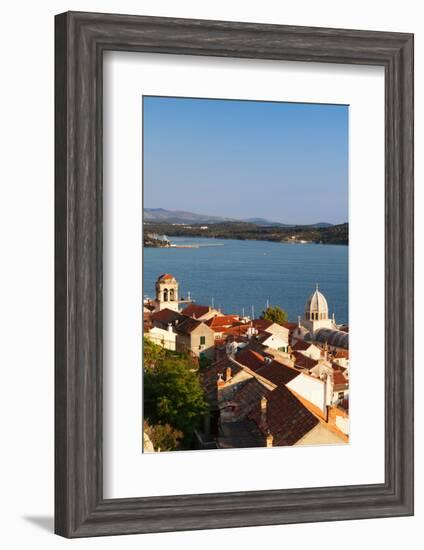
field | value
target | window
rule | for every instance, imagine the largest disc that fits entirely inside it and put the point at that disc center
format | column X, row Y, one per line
column 202, row 340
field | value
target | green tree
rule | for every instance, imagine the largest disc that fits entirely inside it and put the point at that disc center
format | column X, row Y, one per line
column 172, row 392
column 275, row 314
column 152, row 353
column 163, row 436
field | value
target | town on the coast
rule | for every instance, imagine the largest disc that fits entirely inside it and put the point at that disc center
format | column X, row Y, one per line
column 216, row 380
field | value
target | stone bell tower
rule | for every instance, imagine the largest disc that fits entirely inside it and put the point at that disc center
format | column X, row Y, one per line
column 167, row 292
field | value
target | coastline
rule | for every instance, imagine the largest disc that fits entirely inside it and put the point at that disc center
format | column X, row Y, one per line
column 234, row 238
column 336, row 234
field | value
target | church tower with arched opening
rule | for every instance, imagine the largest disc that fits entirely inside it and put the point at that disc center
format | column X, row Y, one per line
column 167, row 293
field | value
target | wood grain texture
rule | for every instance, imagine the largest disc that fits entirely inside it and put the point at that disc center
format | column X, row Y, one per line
column 81, row 39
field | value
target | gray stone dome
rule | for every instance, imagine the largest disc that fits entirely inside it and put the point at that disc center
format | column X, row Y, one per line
column 316, row 307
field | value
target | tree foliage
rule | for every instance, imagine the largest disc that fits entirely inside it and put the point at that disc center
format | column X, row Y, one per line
column 335, row 234
column 172, row 391
column 152, row 353
column 163, row 436
column 275, row 314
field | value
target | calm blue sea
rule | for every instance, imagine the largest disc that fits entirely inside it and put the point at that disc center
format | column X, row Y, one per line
column 239, row 274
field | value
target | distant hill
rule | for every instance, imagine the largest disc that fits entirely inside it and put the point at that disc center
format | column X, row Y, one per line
column 161, row 215
column 266, row 223
column 180, row 216
column 320, row 224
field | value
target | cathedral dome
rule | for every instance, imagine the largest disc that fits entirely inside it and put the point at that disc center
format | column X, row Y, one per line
column 316, row 307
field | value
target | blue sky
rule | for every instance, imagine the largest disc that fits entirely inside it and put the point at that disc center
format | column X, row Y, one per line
column 287, row 162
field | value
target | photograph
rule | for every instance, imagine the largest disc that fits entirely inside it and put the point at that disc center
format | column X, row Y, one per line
column 205, row 204
column 245, row 274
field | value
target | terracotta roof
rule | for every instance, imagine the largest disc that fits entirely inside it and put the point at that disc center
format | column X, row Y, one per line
column 231, row 337
column 165, row 316
column 314, row 409
column 286, row 419
column 165, row 277
column 341, row 354
column 187, row 326
column 262, row 336
column 209, row 375
column 261, row 324
column 338, row 367
column 289, row 326
column 339, row 380
column 300, row 345
column 195, row 310
column 251, row 359
column 277, row 373
column 303, row 362
column 222, row 321
column 220, row 342
column 247, row 397
column 238, row 330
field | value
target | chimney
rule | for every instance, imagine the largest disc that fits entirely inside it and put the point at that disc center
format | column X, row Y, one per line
column 220, row 382
column 264, row 407
column 227, row 373
column 269, row 439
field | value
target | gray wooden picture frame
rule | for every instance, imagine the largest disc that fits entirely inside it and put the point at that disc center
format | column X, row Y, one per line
column 80, row 40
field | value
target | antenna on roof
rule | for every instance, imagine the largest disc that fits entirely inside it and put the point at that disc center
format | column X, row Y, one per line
column 253, row 311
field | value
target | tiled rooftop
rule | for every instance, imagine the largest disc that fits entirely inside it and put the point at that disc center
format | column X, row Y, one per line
column 287, row 419
column 277, row 373
column 195, row 310
column 251, row 359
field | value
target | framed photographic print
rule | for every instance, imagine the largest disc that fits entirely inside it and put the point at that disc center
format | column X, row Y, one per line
column 234, row 274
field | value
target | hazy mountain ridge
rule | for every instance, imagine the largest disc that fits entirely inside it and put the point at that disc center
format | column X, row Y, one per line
column 161, row 215
column 180, row 216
